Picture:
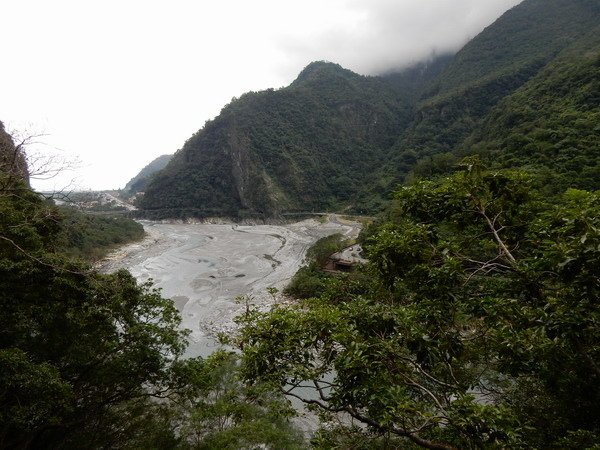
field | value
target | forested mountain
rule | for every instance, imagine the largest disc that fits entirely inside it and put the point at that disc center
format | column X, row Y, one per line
column 337, row 140
column 507, row 57
column 140, row 181
column 309, row 146
column 552, row 123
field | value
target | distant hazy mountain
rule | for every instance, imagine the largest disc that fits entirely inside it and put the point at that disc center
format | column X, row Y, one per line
column 140, row 181
column 523, row 92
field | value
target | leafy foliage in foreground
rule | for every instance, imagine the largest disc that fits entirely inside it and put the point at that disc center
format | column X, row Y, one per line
column 74, row 344
column 476, row 325
column 223, row 413
column 92, row 361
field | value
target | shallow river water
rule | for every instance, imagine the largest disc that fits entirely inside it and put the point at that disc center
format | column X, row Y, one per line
column 204, row 267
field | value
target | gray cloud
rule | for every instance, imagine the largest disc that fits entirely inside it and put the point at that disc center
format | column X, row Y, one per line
column 382, row 35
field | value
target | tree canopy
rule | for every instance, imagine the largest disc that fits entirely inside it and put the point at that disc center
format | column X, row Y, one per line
column 475, row 327
column 90, row 360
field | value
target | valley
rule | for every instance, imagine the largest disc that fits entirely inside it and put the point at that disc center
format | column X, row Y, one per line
column 471, row 321
column 203, row 267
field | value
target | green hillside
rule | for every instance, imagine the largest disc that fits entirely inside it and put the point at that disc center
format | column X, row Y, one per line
column 309, row 146
column 552, row 123
column 523, row 92
column 493, row 65
column 529, row 34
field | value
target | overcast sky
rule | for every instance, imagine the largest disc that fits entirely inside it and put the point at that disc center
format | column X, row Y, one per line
column 116, row 83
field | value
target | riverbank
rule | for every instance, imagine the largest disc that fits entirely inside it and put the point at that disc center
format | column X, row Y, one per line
column 203, row 267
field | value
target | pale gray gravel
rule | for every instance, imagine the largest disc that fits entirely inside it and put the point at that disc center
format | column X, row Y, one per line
column 203, row 267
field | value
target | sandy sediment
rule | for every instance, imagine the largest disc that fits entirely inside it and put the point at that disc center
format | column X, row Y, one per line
column 204, row 267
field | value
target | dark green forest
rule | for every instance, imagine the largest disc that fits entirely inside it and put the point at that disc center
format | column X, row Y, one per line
column 474, row 324
column 91, row 237
column 521, row 93
column 302, row 148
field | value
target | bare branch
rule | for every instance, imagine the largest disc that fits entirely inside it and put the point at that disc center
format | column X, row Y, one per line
column 428, row 375
column 492, row 226
column 403, row 432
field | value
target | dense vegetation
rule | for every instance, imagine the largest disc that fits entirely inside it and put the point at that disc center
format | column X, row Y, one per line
column 334, row 140
column 310, row 280
column 90, row 237
column 511, row 59
column 92, row 361
column 551, row 124
column 474, row 325
column 310, row 146
column 11, row 160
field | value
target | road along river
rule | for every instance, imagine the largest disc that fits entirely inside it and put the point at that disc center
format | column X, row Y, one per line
column 204, row 267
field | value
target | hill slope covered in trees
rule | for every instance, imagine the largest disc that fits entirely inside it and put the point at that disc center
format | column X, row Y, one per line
column 335, row 140
column 511, row 56
column 551, row 124
column 309, row 146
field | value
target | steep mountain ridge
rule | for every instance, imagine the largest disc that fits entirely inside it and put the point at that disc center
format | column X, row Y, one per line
column 308, row 146
column 552, row 123
column 336, row 140
column 529, row 34
column 498, row 61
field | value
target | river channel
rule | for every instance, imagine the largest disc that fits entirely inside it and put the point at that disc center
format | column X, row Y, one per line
column 203, row 267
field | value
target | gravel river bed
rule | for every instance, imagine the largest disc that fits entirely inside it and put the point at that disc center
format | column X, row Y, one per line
column 203, row 267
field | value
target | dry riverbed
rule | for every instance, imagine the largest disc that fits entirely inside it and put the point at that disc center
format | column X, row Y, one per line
column 203, row 267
